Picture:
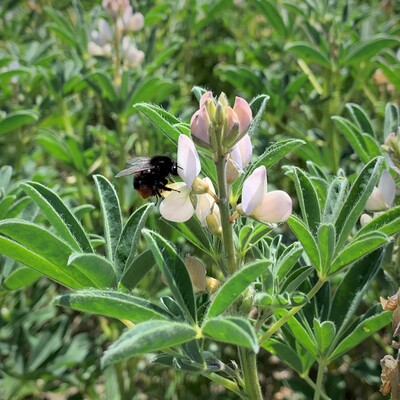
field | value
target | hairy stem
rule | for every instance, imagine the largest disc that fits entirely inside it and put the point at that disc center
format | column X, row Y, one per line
column 227, row 232
column 320, row 376
column 249, row 367
column 313, row 385
column 227, row 383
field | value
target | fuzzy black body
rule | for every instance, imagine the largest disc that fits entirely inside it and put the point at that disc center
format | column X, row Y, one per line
column 150, row 174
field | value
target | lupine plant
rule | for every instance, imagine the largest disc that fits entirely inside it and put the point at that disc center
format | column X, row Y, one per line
column 261, row 276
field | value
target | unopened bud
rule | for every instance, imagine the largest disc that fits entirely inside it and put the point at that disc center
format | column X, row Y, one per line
column 213, row 222
column 212, row 284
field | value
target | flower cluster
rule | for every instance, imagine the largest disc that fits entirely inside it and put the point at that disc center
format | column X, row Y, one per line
column 108, row 37
column 223, row 130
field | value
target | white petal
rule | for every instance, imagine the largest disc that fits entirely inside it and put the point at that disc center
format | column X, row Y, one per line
column 375, row 201
column 177, row 207
column 245, row 149
column 188, row 160
column 364, row 219
column 254, row 188
column 205, row 97
column 276, row 206
column 387, row 187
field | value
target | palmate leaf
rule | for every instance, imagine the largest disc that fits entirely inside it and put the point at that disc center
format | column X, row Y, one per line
column 112, row 304
column 148, row 337
column 40, row 250
column 127, row 243
column 356, row 199
column 59, row 215
column 175, row 272
column 96, row 268
column 234, row 286
column 161, row 118
column 16, row 120
column 357, row 249
column 232, row 330
column 136, row 270
column 365, row 329
column 307, row 196
column 306, row 239
column 111, row 211
column 352, row 288
column 20, row 278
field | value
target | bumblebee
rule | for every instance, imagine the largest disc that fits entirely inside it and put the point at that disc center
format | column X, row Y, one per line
column 150, row 174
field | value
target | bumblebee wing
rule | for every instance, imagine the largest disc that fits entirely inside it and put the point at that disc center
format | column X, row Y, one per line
column 136, row 164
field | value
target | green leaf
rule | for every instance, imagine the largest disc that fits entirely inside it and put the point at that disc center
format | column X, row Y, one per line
column 127, row 243
column 357, row 249
column 301, row 333
column 96, row 268
column 306, row 239
column 194, row 233
column 5, row 204
column 101, row 81
column 148, row 337
column 137, row 269
column 20, row 278
column 335, row 198
column 232, row 330
column 111, row 214
column 356, row 199
column 324, row 334
column 175, row 272
column 387, row 223
column 54, row 145
column 39, row 250
column 326, row 244
column 309, row 53
column 268, row 8
column 307, row 196
column 352, row 288
column 112, row 304
column 285, row 353
column 287, row 260
column 361, row 118
column 16, row 120
column 59, row 215
column 354, row 136
column 163, row 120
column 361, row 332
column 366, row 49
column 234, row 286
column 392, row 119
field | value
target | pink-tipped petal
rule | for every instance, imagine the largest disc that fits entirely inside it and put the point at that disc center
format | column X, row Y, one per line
column 276, row 206
column 177, row 207
column 254, row 189
column 243, row 111
column 200, row 125
column 231, row 119
column 387, row 187
column 205, row 97
column 188, row 160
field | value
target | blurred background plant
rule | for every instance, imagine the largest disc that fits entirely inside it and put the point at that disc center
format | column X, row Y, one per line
column 74, row 78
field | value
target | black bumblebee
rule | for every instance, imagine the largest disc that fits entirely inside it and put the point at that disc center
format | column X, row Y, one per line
column 150, row 174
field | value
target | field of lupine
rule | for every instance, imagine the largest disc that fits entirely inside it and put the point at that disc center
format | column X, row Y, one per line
column 198, row 199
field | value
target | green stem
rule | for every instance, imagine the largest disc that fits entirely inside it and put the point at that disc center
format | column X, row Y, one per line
column 227, row 232
column 320, row 376
column 227, row 383
column 290, row 314
column 313, row 385
column 249, row 368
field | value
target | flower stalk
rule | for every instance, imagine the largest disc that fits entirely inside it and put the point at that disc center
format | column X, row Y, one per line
column 227, row 231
